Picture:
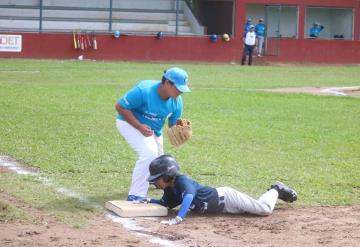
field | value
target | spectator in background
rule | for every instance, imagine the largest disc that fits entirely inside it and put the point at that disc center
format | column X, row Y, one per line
column 315, row 30
column 247, row 25
column 260, row 29
column 249, row 45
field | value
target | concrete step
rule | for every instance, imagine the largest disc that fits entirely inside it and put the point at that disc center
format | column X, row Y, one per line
column 148, row 27
column 66, row 25
column 180, row 28
column 134, row 4
column 147, row 15
column 20, row 2
column 137, row 4
column 95, row 16
column 96, row 26
column 136, row 26
column 17, row 12
column 6, row 24
column 180, row 23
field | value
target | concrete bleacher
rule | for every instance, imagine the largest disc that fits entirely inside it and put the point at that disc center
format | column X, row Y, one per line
column 135, row 16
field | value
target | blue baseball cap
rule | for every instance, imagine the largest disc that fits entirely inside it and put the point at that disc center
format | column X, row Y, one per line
column 179, row 77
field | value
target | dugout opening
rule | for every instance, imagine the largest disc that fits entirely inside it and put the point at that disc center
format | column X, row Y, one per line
column 338, row 23
column 281, row 20
column 217, row 16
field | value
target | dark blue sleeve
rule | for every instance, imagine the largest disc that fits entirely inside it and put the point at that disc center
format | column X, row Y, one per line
column 170, row 199
column 154, row 200
column 187, row 187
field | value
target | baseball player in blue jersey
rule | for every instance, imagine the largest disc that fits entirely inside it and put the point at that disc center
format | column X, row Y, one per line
column 247, row 25
column 315, row 30
column 260, row 29
column 182, row 190
column 142, row 113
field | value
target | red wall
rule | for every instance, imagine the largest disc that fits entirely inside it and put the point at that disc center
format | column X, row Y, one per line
column 318, row 51
column 172, row 48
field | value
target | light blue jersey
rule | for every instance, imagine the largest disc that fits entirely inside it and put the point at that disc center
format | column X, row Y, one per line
column 315, row 30
column 145, row 103
column 247, row 26
column 260, row 30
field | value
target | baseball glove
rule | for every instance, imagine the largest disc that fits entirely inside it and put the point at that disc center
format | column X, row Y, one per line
column 180, row 133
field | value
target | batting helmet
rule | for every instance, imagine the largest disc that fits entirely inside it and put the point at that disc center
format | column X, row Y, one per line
column 163, row 166
column 226, row 37
column 213, row 38
column 159, row 35
column 117, row 34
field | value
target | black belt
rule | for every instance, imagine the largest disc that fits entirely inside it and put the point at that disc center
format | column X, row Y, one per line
column 221, row 199
column 221, row 204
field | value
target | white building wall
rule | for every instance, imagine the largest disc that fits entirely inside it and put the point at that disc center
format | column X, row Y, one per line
column 341, row 23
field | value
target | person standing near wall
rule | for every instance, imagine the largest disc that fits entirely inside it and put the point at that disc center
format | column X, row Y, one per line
column 260, row 29
column 247, row 25
column 316, row 29
column 142, row 113
column 249, row 45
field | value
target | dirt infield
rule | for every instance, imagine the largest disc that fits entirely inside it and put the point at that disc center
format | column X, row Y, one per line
column 320, row 226
column 287, row 226
column 336, row 91
column 47, row 231
column 317, row 226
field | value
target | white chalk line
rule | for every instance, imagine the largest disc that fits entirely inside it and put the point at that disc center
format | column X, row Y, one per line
column 128, row 223
column 334, row 91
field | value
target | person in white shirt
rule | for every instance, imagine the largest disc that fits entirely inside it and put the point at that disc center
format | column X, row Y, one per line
column 249, row 45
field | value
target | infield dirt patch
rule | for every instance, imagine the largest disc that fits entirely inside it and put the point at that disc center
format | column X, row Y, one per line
column 287, row 226
column 317, row 226
column 337, row 91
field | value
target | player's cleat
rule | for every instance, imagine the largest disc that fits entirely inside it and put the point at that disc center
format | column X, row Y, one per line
column 285, row 193
column 135, row 198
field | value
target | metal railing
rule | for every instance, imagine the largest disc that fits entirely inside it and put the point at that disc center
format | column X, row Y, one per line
column 96, row 16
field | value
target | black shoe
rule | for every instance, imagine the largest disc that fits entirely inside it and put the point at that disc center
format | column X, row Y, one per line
column 285, row 193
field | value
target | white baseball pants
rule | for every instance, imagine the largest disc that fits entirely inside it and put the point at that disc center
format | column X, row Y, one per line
column 237, row 202
column 147, row 149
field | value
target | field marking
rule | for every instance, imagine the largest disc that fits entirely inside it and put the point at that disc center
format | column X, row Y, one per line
column 340, row 90
column 351, row 91
column 334, row 91
column 128, row 223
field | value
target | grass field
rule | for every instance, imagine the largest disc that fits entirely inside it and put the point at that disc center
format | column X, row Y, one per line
column 59, row 116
